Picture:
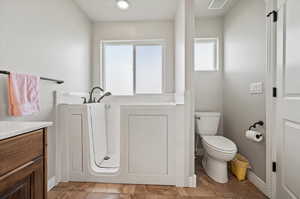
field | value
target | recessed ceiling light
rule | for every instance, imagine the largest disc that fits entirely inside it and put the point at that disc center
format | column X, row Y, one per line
column 123, row 4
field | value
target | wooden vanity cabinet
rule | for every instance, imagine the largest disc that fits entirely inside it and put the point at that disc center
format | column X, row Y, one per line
column 23, row 166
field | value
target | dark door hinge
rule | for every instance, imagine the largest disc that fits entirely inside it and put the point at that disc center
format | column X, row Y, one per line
column 274, row 13
column 274, row 167
column 274, row 92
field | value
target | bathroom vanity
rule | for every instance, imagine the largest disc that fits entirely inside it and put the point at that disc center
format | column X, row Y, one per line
column 23, row 160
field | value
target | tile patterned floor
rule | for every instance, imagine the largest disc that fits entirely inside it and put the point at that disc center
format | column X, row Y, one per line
column 206, row 189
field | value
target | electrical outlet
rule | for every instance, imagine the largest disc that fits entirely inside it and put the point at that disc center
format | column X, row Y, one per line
column 259, row 88
column 256, row 88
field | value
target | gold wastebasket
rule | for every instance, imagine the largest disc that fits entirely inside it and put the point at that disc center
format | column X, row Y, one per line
column 239, row 166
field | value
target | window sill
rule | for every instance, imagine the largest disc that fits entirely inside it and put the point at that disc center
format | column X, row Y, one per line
column 142, row 98
column 206, row 71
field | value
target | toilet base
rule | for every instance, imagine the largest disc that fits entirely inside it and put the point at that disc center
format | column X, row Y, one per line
column 215, row 169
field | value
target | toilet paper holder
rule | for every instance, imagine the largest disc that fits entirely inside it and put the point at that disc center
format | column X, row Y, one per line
column 260, row 123
column 255, row 135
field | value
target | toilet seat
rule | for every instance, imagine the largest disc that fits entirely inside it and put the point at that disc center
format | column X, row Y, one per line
column 220, row 143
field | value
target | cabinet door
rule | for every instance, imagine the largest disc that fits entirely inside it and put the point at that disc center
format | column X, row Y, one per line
column 25, row 182
column 20, row 191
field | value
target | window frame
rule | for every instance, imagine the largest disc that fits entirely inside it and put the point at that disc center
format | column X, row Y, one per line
column 134, row 43
column 216, row 53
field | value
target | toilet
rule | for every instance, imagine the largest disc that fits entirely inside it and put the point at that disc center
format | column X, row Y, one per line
column 218, row 149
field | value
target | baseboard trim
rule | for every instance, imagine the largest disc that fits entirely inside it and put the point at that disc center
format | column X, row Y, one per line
column 192, row 181
column 51, row 183
column 259, row 183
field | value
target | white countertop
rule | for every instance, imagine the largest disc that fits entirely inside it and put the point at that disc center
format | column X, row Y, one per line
column 13, row 128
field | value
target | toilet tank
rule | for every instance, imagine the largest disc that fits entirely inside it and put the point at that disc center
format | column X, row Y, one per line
column 207, row 123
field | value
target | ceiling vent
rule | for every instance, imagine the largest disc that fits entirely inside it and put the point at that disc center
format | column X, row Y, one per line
column 217, row 4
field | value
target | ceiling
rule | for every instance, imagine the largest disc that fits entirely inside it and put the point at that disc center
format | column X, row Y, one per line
column 107, row 10
column 201, row 8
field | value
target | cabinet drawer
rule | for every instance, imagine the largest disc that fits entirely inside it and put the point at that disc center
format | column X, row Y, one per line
column 19, row 150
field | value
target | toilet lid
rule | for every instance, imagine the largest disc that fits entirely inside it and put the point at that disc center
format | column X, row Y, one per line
column 220, row 143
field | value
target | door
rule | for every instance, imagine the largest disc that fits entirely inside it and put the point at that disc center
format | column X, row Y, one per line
column 288, row 102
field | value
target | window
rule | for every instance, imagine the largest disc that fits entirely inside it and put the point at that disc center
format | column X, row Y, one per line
column 206, row 54
column 133, row 68
column 119, row 69
column 149, row 61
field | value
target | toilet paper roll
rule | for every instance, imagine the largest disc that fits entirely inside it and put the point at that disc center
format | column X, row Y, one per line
column 254, row 136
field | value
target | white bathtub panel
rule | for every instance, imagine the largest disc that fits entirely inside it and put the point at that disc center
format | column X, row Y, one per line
column 76, row 145
column 154, row 116
column 148, row 144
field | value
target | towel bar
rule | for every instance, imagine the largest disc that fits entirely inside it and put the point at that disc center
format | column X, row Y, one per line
column 42, row 78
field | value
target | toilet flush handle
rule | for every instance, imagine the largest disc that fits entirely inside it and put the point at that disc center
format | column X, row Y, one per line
column 197, row 117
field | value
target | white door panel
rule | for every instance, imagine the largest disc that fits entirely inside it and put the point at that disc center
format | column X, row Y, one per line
column 292, row 57
column 291, row 148
column 288, row 102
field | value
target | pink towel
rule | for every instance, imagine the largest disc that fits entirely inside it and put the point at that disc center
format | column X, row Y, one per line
column 23, row 92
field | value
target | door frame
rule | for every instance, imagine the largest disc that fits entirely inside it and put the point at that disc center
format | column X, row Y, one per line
column 270, row 78
column 268, row 187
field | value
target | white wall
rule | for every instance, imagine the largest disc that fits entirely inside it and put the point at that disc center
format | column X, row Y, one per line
column 49, row 38
column 208, row 85
column 180, row 53
column 245, row 62
column 179, row 40
column 145, row 30
column 189, row 91
column 184, row 30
